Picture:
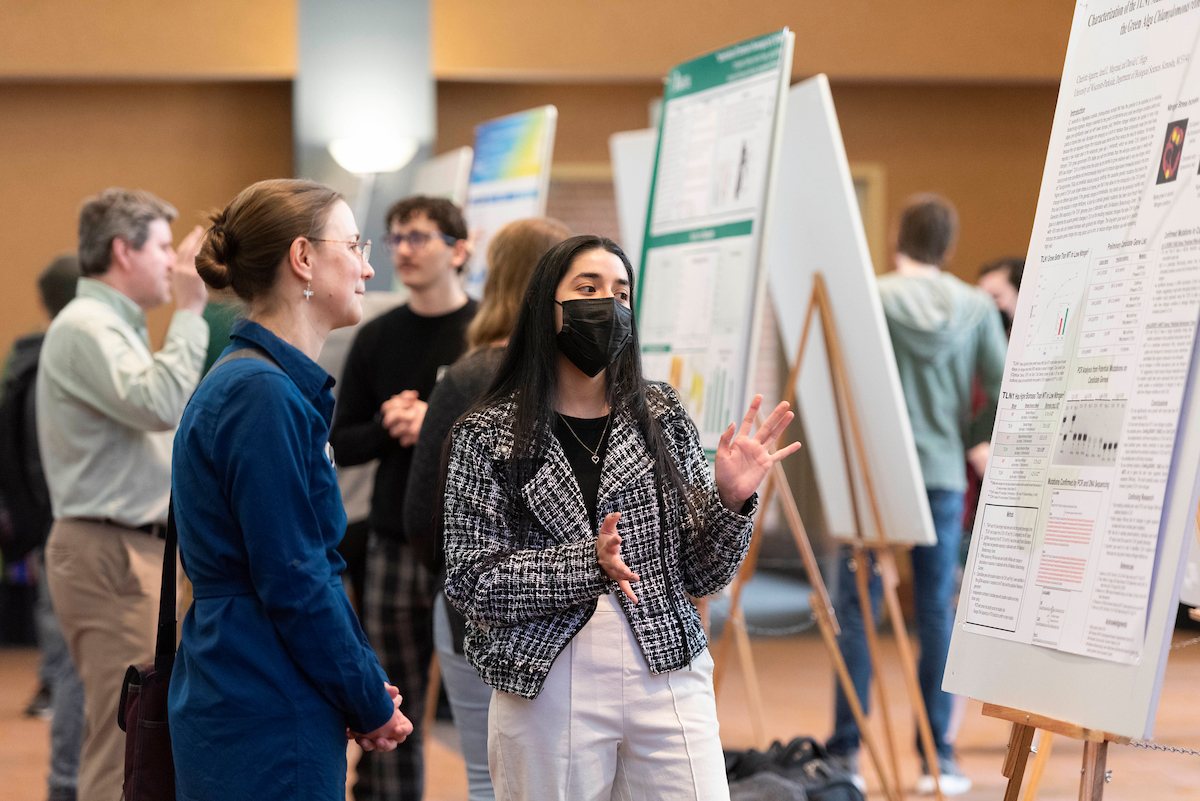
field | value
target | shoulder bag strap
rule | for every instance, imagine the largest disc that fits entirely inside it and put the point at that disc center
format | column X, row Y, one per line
column 164, row 648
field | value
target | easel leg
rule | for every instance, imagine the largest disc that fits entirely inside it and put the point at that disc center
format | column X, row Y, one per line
column 862, row 579
column 735, row 633
column 1095, row 760
column 908, row 663
column 824, row 623
column 1039, row 766
column 1014, row 761
column 745, row 573
column 750, row 677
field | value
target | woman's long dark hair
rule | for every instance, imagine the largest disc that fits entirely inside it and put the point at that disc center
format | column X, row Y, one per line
column 529, row 373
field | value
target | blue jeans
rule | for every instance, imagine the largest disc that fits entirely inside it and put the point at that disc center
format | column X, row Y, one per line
column 933, row 588
column 66, row 694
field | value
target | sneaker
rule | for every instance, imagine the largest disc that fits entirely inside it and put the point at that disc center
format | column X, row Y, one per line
column 39, row 705
column 953, row 780
column 848, row 763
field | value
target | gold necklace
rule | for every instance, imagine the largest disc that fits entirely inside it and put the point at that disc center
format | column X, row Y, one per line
column 595, row 453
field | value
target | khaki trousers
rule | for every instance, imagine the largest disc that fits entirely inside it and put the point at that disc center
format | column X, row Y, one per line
column 104, row 581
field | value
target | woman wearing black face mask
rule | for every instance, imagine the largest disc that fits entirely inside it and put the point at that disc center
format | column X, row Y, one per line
column 579, row 513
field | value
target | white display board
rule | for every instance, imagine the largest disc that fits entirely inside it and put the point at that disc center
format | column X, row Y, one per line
column 632, row 154
column 817, row 227
column 701, row 284
column 1087, row 508
column 510, row 178
column 446, row 176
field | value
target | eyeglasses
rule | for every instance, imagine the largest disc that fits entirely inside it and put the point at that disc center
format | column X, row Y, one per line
column 417, row 239
column 363, row 249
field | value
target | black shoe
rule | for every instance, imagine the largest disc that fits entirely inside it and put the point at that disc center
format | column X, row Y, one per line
column 39, row 705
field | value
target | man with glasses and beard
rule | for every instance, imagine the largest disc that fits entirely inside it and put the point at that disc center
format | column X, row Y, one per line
column 393, row 365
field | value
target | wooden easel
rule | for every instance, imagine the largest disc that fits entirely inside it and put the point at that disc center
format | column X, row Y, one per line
column 1095, row 751
column 826, row 619
column 823, row 610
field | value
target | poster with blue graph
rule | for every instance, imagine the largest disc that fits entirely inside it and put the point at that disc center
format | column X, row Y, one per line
column 510, row 177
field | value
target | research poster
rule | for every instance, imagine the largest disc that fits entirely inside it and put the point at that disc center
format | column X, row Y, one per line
column 701, row 281
column 510, row 178
column 1066, row 537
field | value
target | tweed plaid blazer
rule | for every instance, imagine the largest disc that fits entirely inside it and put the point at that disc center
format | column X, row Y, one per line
column 521, row 561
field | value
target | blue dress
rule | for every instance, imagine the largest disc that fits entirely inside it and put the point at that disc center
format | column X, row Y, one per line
column 273, row 665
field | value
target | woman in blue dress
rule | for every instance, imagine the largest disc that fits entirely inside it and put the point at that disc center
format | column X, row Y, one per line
column 273, row 671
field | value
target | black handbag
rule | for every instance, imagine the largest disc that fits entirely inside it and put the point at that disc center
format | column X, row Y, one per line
column 142, row 714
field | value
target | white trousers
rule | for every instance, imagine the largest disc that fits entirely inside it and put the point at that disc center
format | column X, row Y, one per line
column 603, row 728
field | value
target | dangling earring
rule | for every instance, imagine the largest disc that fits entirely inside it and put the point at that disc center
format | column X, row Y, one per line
column 308, row 293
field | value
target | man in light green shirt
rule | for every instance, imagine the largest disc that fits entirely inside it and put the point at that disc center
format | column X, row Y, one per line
column 107, row 409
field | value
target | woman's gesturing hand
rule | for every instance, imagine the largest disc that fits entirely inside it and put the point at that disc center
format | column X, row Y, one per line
column 743, row 460
column 608, row 551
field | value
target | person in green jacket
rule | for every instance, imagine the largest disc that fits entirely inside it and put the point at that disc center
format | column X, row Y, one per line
column 944, row 333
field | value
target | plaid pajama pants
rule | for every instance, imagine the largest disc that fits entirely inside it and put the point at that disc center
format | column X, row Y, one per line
column 399, row 623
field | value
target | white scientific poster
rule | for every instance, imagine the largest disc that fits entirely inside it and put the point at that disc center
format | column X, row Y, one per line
column 1084, row 468
column 701, row 281
column 510, row 177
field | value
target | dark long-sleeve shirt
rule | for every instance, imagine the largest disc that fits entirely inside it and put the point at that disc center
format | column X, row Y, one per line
column 464, row 383
column 398, row 351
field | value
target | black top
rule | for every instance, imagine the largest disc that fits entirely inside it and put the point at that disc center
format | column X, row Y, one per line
column 585, row 442
column 464, row 382
column 22, row 481
column 397, row 351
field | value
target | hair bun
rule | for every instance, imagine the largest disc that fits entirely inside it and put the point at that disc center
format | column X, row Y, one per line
column 216, row 254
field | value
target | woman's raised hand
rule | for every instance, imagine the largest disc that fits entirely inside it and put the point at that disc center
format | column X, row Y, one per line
column 743, row 460
column 608, row 551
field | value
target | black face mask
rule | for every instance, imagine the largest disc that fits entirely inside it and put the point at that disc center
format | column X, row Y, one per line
column 595, row 331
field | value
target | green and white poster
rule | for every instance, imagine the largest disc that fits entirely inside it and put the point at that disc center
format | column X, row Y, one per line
column 702, row 284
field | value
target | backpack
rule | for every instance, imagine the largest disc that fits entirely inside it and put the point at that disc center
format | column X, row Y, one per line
column 22, row 483
column 803, row 763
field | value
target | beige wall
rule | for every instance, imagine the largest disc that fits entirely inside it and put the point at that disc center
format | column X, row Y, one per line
column 983, row 147
column 531, row 40
column 194, row 144
column 150, row 39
